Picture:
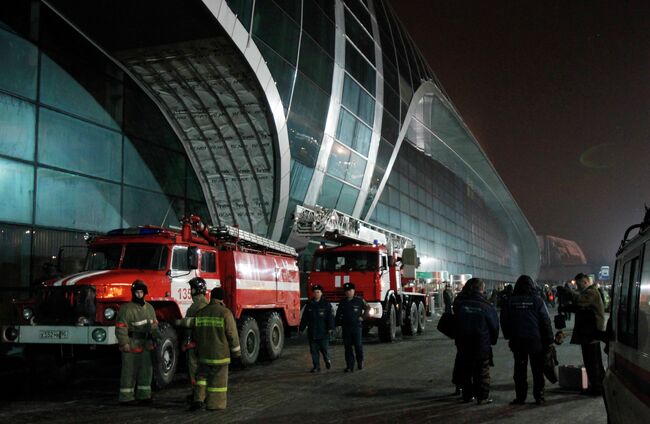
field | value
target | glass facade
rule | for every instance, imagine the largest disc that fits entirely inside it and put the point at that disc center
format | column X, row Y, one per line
column 370, row 130
column 451, row 226
column 81, row 150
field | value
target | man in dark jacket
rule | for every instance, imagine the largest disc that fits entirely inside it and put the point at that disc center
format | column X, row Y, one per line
column 526, row 324
column 349, row 316
column 589, row 329
column 319, row 321
column 477, row 329
column 447, row 297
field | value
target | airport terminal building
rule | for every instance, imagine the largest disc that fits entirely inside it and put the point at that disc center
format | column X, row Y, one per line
column 117, row 113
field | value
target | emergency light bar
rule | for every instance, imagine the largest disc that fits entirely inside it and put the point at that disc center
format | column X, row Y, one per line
column 139, row 231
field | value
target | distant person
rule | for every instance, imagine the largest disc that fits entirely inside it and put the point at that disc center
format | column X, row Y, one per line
column 215, row 333
column 526, row 324
column 564, row 300
column 135, row 328
column 447, row 297
column 493, row 297
column 349, row 316
column 477, row 329
column 589, row 329
column 505, row 295
column 319, row 321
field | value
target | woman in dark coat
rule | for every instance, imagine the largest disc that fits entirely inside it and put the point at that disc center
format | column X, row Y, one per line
column 476, row 330
column 527, row 326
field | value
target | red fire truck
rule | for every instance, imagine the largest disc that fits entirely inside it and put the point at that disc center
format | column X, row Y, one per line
column 260, row 278
column 380, row 263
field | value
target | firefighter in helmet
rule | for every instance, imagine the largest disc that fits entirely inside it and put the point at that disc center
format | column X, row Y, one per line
column 135, row 328
column 215, row 334
column 198, row 289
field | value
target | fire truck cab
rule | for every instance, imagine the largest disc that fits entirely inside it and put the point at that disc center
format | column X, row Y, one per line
column 380, row 263
column 77, row 312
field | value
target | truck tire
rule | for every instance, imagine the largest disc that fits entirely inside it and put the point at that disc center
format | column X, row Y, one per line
column 410, row 326
column 272, row 336
column 388, row 327
column 249, row 339
column 165, row 356
column 422, row 317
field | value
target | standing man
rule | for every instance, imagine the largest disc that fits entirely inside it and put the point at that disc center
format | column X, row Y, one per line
column 349, row 316
column 589, row 327
column 215, row 334
column 198, row 288
column 447, row 297
column 318, row 318
column 135, row 328
column 477, row 329
column 526, row 324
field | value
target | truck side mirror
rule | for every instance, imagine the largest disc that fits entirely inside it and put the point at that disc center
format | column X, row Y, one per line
column 192, row 257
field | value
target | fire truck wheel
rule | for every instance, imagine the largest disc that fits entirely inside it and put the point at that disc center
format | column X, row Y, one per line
column 272, row 335
column 410, row 326
column 388, row 328
column 249, row 339
column 422, row 317
column 165, row 358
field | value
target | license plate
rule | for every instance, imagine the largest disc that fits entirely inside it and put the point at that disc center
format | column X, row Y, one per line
column 53, row 334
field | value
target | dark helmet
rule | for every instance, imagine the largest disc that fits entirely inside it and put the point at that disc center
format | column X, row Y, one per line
column 198, row 286
column 139, row 285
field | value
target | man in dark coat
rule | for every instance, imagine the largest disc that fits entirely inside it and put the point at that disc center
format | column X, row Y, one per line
column 526, row 324
column 319, row 321
column 589, row 329
column 349, row 316
column 477, row 329
column 447, row 297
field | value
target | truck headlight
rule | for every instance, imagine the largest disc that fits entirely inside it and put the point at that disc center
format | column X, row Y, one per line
column 371, row 312
column 11, row 334
column 109, row 313
column 99, row 335
column 28, row 313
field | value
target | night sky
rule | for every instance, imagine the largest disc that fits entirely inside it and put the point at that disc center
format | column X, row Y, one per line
column 558, row 95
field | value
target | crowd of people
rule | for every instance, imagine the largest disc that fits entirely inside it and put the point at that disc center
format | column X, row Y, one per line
column 211, row 339
column 526, row 324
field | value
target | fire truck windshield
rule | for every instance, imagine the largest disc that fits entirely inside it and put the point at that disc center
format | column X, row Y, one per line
column 346, row 261
column 136, row 256
column 145, row 256
column 103, row 257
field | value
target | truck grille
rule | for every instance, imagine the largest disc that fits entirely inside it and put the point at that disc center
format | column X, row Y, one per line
column 65, row 305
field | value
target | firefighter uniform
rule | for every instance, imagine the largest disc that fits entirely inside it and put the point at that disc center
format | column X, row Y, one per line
column 215, row 334
column 198, row 302
column 349, row 316
column 135, row 328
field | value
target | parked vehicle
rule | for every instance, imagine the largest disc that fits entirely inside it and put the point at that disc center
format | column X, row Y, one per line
column 628, row 375
column 380, row 263
column 77, row 312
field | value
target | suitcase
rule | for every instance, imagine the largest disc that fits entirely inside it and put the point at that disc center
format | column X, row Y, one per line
column 572, row 377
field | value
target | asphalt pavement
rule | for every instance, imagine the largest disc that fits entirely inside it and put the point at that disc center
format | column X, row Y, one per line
column 407, row 381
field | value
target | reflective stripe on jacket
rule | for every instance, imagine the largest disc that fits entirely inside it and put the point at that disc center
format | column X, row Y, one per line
column 215, row 333
column 135, row 323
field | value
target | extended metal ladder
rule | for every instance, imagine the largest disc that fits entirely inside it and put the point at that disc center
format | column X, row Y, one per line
column 235, row 235
column 331, row 224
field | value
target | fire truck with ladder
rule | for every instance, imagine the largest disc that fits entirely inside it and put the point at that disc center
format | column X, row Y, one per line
column 380, row 263
column 77, row 313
